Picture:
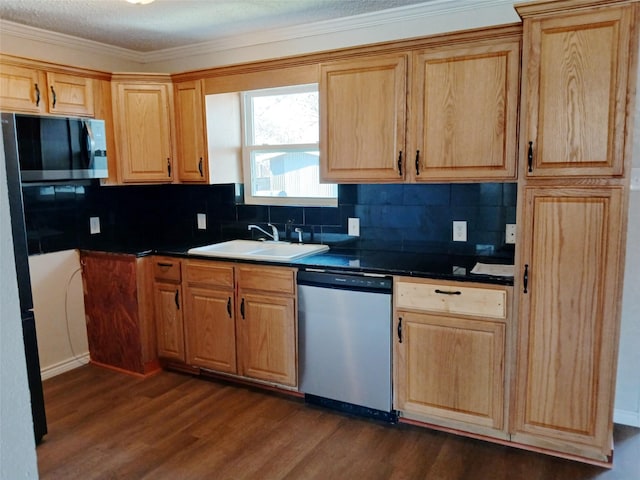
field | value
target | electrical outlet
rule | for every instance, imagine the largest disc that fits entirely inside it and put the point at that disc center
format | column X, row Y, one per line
column 94, row 225
column 202, row 221
column 459, row 231
column 510, row 233
column 354, row 227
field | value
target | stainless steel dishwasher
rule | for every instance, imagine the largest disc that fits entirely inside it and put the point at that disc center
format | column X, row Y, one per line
column 345, row 342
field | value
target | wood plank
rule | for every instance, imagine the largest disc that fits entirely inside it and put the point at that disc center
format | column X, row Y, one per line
column 103, row 424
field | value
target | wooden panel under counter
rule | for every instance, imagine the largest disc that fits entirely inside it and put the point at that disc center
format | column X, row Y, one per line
column 118, row 306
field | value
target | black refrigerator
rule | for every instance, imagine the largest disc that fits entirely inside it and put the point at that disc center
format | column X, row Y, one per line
column 20, row 250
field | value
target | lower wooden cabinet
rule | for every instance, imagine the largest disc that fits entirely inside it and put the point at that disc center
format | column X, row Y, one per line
column 449, row 354
column 119, row 311
column 241, row 320
column 267, row 329
column 169, row 307
column 210, row 325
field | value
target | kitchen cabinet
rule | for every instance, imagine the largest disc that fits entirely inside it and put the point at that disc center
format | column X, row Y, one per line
column 169, row 307
column 210, row 325
column 461, row 99
column 241, row 320
column 363, row 119
column 191, row 134
column 29, row 89
column 450, row 354
column 575, row 89
column 119, row 311
column 143, row 112
column 569, row 316
column 267, row 324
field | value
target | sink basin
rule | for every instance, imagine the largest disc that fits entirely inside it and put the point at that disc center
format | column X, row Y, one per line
column 255, row 250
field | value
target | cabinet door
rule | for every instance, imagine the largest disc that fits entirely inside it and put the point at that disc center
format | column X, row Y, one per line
column 169, row 321
column 464, row 105
column 191, row 132
column 574, row 93
column 70, row 94
column 363, row 119
column 450, row 368
column 267, row 328
column 210, row 329
column 22, row 89
column 569, row 318
column 142, row 118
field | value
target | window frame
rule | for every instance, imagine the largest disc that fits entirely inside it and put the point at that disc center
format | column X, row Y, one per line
column 248, row 149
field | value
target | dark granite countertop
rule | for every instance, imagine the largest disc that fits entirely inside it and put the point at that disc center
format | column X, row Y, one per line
column 444, row 266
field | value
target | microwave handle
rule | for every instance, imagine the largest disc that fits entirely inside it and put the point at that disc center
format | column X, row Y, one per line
column 90, row 144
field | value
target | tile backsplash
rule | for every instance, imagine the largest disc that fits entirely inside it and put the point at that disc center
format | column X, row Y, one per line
column 398, row 217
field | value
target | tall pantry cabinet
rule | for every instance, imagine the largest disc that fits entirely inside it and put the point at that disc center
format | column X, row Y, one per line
column 579, row 65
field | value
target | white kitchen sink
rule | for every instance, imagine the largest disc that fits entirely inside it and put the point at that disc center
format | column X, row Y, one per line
column 257, row 250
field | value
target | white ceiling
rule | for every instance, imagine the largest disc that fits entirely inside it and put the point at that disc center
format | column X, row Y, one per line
column 167, row 24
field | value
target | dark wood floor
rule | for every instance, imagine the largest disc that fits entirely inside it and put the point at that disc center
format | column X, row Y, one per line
column 107, row 425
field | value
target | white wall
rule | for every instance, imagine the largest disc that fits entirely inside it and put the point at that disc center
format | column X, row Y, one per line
column 627, row 403
column 58, row 304
column 17, row 442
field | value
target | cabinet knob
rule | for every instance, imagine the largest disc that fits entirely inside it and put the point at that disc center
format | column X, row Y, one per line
column 525, row 278
column 177, row 299
column 168, row 166
column 530, row 157
column 37, row 94
column 400, row 330
column 400, row 163
column 200, row 167
column 229, row 307
column 417, row 162
column 242, row 308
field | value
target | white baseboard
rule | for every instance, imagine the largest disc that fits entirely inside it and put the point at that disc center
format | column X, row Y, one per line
column 626, row 417
column 64, row 366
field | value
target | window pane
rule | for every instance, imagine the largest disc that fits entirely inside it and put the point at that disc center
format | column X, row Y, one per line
column 285, row 119
column 292, row 173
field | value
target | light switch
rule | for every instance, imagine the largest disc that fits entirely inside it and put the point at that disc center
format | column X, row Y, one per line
column 202, row 221
column 459, row 231
column 354, row 227
column 94, row 225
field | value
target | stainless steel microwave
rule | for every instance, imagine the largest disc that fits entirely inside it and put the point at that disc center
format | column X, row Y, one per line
column 58, row 148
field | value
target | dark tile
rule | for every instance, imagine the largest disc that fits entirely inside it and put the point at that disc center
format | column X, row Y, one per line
column 436, row 194
column 509, row 194
column 347, row 194
column 252, row 213
column 282, row 215
column 386, row 194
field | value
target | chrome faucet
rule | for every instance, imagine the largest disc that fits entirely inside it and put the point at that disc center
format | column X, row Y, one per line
column 274, row 231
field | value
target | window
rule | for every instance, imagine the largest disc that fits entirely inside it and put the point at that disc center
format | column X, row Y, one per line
column 280, row 148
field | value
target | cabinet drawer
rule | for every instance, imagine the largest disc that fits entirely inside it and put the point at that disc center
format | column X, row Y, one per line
column 268, row 279
column 209, row 274
column 167, row 269
column 451, row 298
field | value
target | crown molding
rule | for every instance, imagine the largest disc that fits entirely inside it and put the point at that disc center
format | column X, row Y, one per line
column 328, row 27
column 68, row 41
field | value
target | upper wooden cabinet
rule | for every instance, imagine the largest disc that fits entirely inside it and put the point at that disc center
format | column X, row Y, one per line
column 464, row 104
column 363, row 119
column 191, row 135
column 31, row 90
column 461, row 100
column 575, row 89
column 143, row 110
